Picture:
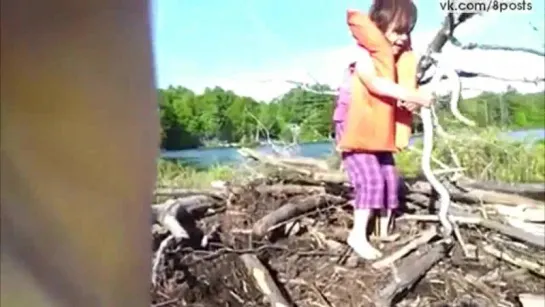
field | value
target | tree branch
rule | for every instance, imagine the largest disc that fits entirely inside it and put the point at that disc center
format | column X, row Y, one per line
column 473, row 46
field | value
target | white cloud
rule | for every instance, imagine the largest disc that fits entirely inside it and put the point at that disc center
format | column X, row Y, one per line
column 327, row 66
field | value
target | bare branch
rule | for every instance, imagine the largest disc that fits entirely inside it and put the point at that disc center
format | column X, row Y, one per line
column 442, row 36
column 466, row 74
column 473, row 46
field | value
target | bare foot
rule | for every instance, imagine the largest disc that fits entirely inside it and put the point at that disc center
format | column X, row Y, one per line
column 363, row 248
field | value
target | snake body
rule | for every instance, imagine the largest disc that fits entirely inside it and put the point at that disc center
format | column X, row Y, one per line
column 442, row 70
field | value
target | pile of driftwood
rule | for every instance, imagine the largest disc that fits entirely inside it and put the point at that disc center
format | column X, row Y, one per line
column 280, row 241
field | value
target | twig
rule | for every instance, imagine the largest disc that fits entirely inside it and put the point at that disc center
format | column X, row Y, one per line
column 460, row 239
column 424, row 238
column 159, row 257
column 165, row 303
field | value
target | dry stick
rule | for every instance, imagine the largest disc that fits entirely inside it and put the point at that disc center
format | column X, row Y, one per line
column 291, row 209
column 424, row 238
column 410, row 272
column 523, row 263
column 264, row 281
column 159, row 257
column 461, row 240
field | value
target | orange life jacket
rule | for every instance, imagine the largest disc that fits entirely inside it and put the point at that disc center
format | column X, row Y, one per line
column 375, row 123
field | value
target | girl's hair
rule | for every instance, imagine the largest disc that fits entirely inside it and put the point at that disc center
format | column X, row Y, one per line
column 401, row 13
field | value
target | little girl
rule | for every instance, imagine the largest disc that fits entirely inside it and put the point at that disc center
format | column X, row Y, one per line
column 365, row 114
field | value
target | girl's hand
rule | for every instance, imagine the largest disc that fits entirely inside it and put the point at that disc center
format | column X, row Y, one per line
column 411, row 106
column 338, row 149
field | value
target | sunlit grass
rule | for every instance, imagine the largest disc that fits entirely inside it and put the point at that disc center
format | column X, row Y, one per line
column 172, row 173
column 484, row 155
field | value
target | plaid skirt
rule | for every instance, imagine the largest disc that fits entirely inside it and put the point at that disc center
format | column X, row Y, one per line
column 373, row 176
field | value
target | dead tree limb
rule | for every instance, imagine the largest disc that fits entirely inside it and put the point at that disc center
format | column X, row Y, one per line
column 319, row 176
column 410, row 272
column 264, row 281
column 473, row 46
column 440, row 39
column 295, row 207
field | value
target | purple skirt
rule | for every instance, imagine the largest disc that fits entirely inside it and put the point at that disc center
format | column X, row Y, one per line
column 373, row 177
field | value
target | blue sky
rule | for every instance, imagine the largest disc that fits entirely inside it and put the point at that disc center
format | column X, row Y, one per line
column 196, row 41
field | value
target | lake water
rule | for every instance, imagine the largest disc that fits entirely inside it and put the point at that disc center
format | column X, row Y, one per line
column 205, row 157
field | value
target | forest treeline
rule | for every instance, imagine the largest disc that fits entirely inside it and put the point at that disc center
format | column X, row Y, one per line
column 219, row 117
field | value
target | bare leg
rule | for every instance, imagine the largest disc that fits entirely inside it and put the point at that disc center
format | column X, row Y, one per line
column 358, row 238
column 389, row 172
column 385, row 219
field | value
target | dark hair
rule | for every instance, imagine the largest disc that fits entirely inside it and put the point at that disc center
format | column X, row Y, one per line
column 402, row 13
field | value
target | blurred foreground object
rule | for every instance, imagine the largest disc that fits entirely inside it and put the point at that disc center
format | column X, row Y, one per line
column 79, row 139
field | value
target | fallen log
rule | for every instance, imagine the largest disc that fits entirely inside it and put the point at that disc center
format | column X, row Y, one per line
column 319, row 176
column 472, row 195
column 510, row 231
column 181, row 192
column 264, row 281
column 293, row 161
column 289, row 189
column 291, row 209
column 306, row 162
column 178, row 215
column 411, row 270
column 522, row 213
column 181, row 207
column 531, row 190
column 479, row 196
column 514, row 232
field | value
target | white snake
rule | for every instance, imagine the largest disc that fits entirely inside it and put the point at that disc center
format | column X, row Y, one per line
column 442, row 70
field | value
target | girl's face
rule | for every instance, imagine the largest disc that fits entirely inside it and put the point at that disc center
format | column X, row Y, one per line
column 397, row 40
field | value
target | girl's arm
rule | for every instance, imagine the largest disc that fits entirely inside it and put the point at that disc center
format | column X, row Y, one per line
column 384, row 87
